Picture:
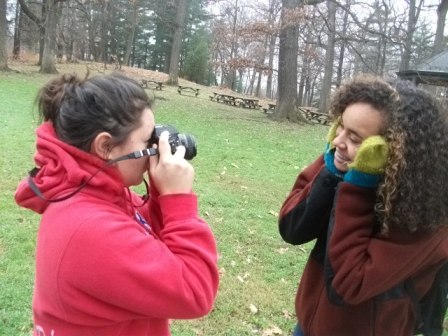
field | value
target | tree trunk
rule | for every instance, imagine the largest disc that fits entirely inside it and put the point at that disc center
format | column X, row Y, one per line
column 342, row 49
column 412, row 22
column 274, row 9
column 17, row 31
column 257, row 89
column 261, row 62
column 48, row 65
column 325, row 92
column 272, row 40
column 112, row 28
column 91, row 35
column 441, row 17
column 131, row 35
column 304, row 75
column 250, row 89
column 59, row 32
column 287, row 65
column 103, row 57
column 230, row 81
column 42, row 28
column 39, row 23
column 181, row 13
column 3, row 37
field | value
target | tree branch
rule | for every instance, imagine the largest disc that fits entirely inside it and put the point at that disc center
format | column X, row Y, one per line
column 28, row 12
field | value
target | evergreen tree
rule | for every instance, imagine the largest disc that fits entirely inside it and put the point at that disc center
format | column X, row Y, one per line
column 196, row 66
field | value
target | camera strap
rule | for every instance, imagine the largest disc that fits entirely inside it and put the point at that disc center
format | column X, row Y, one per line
column 135, row 155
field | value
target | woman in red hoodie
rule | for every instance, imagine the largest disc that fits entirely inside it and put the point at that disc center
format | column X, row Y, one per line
column 376, row 204
column 107, row 261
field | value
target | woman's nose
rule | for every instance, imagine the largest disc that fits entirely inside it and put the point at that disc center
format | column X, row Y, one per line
column 338, row 141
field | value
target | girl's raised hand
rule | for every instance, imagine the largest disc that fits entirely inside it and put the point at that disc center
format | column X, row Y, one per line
column 171, row 173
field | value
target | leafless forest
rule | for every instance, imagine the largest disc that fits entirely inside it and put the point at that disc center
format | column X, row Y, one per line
column 294, row 51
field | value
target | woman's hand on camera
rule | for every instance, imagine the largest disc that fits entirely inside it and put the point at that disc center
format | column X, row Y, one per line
column 171, row 173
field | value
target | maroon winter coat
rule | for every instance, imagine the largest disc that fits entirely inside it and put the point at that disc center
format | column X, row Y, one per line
column 353, row 281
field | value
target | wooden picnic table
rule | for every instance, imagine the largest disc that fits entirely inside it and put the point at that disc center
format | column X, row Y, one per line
column 227, row 99
column 270, row 109
column 315, row 116
column 215, row 95
column 145, row 82
column 235, row 100
column 224, row 98
column 181, row 89
column 250, row 103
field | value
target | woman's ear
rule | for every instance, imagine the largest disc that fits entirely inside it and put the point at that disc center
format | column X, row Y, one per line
column 101, row 145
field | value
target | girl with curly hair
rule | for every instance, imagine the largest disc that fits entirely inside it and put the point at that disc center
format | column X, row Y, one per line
column 376, row 202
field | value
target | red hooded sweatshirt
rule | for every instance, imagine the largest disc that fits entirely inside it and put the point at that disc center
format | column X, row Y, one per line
column 105, row 263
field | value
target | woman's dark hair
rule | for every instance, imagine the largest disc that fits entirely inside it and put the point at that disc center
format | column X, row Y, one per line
column 414, row 194
column 80, row 109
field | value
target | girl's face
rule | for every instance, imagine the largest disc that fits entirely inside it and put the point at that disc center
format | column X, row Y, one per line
column 132, row 170
column 358, row 122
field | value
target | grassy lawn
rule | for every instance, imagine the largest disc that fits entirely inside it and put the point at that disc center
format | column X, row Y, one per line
column 245, row 167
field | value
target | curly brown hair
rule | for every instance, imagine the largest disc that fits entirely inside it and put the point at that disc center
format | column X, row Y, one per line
column 413, row 195
column 367, row 89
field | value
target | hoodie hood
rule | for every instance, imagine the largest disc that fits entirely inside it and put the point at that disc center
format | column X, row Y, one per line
column 62, row 168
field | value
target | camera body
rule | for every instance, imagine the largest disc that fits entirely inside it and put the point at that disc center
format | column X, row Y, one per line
column 175, row 139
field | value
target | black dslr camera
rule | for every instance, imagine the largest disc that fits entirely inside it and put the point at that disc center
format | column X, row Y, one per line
column 175, row 139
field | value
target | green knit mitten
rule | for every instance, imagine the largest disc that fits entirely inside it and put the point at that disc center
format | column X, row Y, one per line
column 369, row 164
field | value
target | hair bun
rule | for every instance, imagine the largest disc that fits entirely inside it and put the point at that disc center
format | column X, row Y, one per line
column 51, row 96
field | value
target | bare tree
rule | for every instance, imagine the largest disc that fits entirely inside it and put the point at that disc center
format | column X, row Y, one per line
column 39, row 21
column 441, row 18
column 181, row 13
column 287, row 62
column 48, row 65
column 342, row 48
column 413, row 14
column 291, row 15
column 104, row 32
column 48, row 24
column 329, row 58
column 131, row 35
column 17, row 32
column 230, row 80
column 3, row 37
column 274, row 10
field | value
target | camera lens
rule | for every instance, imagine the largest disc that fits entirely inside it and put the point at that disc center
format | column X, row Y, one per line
column 189, row 142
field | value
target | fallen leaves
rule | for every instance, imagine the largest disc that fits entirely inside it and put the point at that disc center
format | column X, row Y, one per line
column 273, row 330
column 243, row 278
column 286, row 314
column 253, row 309
column 283, row 250
column 273, row 213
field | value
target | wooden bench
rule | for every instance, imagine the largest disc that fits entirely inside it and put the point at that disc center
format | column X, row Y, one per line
column 145, row 82
column 215, row 96
column 315, row 116
column 235, row 100
column 249, row 103
column 270, row 109
column 226, row 99
column 181, row 89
